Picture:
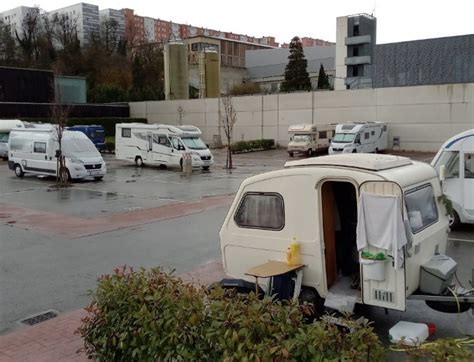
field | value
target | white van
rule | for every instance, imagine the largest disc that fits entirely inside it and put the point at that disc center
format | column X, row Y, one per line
column 34, row 150
column 317, row 201
column 309, row 138
column 6, row 126
column 359, row 137
column 161, row 144
column 457, row 157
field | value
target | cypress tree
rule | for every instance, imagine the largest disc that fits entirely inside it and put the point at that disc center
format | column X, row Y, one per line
column 296, row 75
column 323, row 79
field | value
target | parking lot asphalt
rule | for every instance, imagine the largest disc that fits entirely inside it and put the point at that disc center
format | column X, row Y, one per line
column 54, row 244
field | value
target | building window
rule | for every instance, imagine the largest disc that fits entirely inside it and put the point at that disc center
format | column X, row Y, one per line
column 261, row 210
column 39, row 147
column 421, row 207
column 355, row 52
column 126, row 132
column 355, row 71
column 356, row 30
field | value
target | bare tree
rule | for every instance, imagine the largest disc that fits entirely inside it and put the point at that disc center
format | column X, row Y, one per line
column 7, row 44
column 29, row 34
column 228, row 119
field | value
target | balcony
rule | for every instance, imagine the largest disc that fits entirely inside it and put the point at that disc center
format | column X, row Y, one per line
column 358, row 82
column 364, row 59
column 361, row 39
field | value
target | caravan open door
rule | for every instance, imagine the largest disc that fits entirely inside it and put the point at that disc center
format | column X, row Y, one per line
column 389, row 293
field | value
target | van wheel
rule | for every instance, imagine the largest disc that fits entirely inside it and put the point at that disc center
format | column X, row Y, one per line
column 310, row 152
column 376, row 150
column 291, row 154
column 355, row 151
column 181, row 164
column 205, row 168
column 98, row 178
column 18, row 171
column 139, row 161
column 454, row 220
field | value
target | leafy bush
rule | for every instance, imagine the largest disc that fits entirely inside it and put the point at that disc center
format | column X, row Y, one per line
column 252, row 145
column 150, row 315
column 106, row 122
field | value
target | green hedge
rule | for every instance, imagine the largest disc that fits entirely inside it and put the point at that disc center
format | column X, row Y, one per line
column 107, row 123
column 252, row 145
column 149, row 315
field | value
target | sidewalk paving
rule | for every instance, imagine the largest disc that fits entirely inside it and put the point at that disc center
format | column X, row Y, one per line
column 55, row 340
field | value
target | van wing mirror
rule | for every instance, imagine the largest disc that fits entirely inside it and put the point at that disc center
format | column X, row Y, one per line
column 442, row 172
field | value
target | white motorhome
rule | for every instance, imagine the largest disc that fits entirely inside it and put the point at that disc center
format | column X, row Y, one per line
column 309, row 138
column 161, row 144
column 359, row 137
column 455, row 164
column 6, row 126
column 34, row 150
column 318, row 201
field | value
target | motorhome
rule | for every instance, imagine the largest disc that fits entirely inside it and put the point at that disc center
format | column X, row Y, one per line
column 35, row 151
column 326, row 204
column 309, row 139
column 96, row 134
column 359, row 137
column 6, row 126
column 161, row 144
column 455, row 165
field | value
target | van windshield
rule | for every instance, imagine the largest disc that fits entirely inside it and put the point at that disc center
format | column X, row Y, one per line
column 82, row 147
column 343, row 137
column 301, row 138
column 4, row 137
column 194, row 143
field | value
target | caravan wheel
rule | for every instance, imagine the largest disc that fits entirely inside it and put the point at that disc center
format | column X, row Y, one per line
column 18, row 171
column 139, row 161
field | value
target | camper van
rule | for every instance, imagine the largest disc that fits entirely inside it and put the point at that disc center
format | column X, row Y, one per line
column 95, row 133
column 309, row 138
column 161, row 144
column 359, row 137
column 35, row 150
column 332, row 206
column 455, row 165
column 6, row 126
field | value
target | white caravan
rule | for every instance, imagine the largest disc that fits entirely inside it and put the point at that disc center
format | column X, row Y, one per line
column 318, row 202
column 34, row 150
column 359, row 137
column 455, row 164
column 161, row 144
column 309, row 138
column 6, row 126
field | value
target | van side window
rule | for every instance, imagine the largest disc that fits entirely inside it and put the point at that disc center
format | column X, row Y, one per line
column 126, row 132
column 261, row 210
column 366, row 135
column 468, row 165
column 164, row 141
column 39, row 147
column 323, row 134
column 372, row 133
column 421, row 206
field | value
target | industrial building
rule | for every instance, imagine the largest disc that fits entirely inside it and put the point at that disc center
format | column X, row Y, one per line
column 267, row 67
column 362, row 63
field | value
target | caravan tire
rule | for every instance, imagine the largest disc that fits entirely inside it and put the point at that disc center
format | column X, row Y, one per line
column 18, row 171
column 139, row 161
column 314, row 302
column 454, row 220
column 376, row 150
column 181, row 164
column 310, row 152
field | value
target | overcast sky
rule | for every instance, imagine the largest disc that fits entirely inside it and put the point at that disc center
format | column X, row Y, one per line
column 397, row 20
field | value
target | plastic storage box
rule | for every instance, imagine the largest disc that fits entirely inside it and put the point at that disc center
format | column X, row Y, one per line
column 437, row 274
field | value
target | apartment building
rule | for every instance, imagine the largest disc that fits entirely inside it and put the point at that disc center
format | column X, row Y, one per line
column 311, row 42
column 14, row 18
column 117, row 15
column 84, row 16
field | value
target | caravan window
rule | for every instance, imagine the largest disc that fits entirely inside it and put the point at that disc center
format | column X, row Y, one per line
column 39, row 147
column 366, row 135
column 421, row 206
column 343, row 137
column 126, row 132
column 162, row 140
column 261, row 210
column 323, row 134
column 450, row 160
column 468, row 165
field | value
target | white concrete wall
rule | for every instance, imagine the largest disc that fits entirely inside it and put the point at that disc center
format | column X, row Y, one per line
column 423, row 117
column 341, row 53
